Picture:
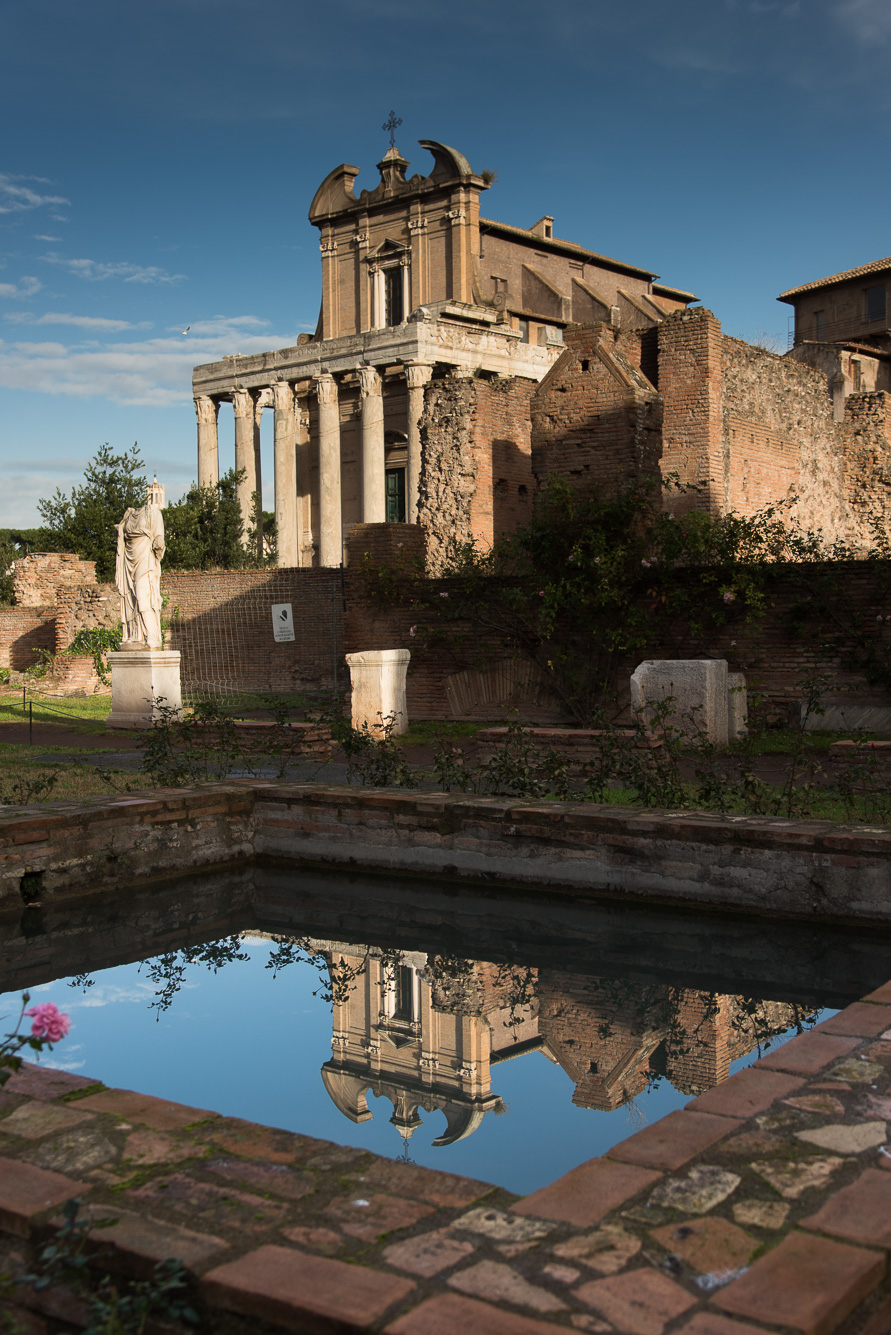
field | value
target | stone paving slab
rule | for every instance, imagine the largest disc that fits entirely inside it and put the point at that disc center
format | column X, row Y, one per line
column 739, row 1220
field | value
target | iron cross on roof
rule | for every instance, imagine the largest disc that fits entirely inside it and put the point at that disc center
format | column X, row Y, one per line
column 392, row 124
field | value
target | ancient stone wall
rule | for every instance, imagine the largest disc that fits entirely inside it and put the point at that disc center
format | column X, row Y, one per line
column 690, row 367
column 476, row 477
column 23, row 631
column 596, row 418
column 780, row 439
column 867, row 445
column 39, row 578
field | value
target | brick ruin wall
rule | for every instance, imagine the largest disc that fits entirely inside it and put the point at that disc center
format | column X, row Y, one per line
column 815, row 618
column 476, row 478
column 222, row 623
column 745, row 427
column 595, row 417
column 56, row 596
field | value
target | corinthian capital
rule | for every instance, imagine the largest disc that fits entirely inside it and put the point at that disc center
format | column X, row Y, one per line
column 206, row 410
column 242, row 403
column 282, row 396
column 369, row 381
column 417, row 374
column 326, row 388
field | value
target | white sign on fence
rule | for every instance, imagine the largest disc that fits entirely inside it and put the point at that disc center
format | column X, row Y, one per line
column 282, row 622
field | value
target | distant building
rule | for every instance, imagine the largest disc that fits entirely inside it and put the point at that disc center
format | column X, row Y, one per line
column 843, row 328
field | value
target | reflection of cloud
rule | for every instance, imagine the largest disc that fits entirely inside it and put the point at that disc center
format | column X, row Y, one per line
column 94, row 322
column 868, row 20
column 97, row 271
column 155, row 372
column 26, row 287
column 18, row 197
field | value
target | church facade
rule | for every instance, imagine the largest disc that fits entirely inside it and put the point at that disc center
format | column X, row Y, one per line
column 420, row 295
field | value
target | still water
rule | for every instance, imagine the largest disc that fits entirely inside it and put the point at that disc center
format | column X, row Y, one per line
column 505, row 1040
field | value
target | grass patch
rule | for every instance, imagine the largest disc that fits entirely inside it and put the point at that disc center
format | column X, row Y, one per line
column 87, row 712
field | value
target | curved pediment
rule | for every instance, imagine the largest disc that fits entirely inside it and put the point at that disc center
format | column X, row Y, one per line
column 335, row 193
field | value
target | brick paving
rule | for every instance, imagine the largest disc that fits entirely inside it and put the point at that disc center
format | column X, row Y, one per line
column 764, row 1206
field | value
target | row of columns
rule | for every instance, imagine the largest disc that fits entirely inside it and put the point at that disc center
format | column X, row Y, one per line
column 291, row 444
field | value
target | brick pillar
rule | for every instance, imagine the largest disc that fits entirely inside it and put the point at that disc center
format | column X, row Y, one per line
column 417, row 375
column 691, row 385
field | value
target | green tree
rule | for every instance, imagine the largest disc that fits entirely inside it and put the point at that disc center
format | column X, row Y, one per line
column 84, row 521
column 203, row 531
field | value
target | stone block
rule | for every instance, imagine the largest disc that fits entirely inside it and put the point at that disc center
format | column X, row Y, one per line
column 697, row 688
column 377, row 677
column 143, row 682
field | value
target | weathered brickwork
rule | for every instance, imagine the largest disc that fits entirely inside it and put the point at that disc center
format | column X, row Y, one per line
column 595, row 416
column 476, row 477
column 221, row 622
column 742, row 426
column 39, row 578
column 24, row 630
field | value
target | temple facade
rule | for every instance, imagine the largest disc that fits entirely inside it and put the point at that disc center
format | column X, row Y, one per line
column 419, row 294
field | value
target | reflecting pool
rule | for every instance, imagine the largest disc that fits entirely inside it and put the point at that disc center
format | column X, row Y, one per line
column 503, row 1038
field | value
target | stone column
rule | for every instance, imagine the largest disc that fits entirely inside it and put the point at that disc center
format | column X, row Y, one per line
column 374, row 489
column 246, row 451
column 417, row 374
column 330, row 513
column 208, row 449
column 285, row 475
column 304, row 481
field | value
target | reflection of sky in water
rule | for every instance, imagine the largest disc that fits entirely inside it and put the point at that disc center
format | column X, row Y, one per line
column 243, row 1043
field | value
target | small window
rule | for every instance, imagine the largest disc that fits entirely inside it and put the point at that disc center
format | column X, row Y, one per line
column 819, row 325
column 523, row 326
column 875, row 303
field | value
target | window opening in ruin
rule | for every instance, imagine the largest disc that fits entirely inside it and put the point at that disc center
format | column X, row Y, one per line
column 395, row 495
column 875, row 303
column 585, row 363
column 393, row 313
column 819, row 325
column 523, row 326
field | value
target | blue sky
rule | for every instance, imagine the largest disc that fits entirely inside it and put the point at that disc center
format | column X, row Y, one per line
column 158, row 162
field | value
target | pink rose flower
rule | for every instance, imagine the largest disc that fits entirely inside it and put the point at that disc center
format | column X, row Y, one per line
column 413, row 629
column 729, row 597
column 48, row 1022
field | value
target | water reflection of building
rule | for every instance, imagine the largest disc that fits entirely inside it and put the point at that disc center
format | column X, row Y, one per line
column 425, row 1032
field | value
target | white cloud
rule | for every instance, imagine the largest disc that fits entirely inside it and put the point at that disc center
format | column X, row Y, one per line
column 97, row 271
column 25, row 287
column 18, row 197
column 96, row 323
column 154, row 372
column 39, row 236
column 868, row 20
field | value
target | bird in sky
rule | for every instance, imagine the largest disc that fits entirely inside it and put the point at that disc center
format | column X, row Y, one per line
column 186, row 330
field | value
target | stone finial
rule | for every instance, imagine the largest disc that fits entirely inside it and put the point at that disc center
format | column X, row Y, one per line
column 392, row 167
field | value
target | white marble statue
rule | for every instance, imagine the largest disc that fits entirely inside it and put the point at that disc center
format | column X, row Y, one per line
column 137, row 576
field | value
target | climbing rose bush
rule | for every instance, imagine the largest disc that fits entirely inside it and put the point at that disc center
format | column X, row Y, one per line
column 48, row 1026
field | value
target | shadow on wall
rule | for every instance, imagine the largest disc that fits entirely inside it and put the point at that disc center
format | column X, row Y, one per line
column 513, row 486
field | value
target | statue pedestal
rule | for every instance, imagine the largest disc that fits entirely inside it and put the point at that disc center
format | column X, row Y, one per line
column 141, row 680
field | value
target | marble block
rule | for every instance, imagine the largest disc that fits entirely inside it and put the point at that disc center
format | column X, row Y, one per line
column 697, row 687
column 141, row 680
column 377, row 677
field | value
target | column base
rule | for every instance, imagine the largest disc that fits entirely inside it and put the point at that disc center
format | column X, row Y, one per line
column 143, row 683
